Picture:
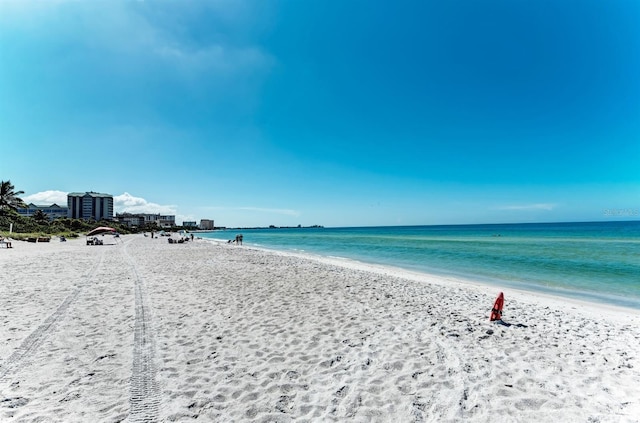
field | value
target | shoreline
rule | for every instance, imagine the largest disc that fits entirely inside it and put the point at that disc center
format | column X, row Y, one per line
column 444, row 279
column 140, row 329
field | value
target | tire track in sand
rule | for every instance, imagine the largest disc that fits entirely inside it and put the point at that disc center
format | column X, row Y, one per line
column 16, row 360
column 144, row 394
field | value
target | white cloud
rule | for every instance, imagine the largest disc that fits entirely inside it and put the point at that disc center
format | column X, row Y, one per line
column 128, row 203
column 47, row 198
column 538, row 206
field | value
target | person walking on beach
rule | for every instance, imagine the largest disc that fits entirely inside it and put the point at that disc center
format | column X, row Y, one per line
column 239, row 239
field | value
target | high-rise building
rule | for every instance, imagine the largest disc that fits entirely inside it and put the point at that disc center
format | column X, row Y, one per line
column 90, row 205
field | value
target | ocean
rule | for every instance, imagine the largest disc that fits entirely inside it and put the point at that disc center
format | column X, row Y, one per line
column 594, row 261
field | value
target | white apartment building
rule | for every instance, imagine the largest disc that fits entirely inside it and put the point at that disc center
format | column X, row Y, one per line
column 90, row 205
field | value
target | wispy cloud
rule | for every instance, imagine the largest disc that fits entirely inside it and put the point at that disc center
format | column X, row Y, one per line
column 285, row 212
column 537, row 206
column 136, row 36
column 219, row 58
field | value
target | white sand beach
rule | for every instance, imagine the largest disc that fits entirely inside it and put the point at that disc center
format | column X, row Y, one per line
column 143, row 330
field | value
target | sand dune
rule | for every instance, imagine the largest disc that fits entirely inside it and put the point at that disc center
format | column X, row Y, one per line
column 143, row 330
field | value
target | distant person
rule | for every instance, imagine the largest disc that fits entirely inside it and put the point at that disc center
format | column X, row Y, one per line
column 239, row 239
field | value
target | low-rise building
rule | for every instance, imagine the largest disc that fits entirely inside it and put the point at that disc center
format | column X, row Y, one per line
column 53, row 211
column 189, row 224
column 131, row 220
column 141, row 219
column 166, row 221
column 207, row 224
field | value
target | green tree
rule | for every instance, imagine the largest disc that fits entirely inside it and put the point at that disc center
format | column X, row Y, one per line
column 9, row 199
column 151, row 226
column 40, row 217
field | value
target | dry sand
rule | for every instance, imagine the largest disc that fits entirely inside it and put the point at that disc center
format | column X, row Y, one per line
column 144, row 330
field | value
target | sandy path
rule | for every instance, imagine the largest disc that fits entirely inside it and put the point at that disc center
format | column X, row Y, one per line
column 144, row 398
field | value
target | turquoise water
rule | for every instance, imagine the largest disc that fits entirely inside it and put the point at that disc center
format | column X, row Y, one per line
column 598, row 261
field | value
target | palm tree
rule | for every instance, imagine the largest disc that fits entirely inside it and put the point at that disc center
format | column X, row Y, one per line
column 9, row 199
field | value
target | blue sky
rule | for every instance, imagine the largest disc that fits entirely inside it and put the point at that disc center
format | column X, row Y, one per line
column 340, row 113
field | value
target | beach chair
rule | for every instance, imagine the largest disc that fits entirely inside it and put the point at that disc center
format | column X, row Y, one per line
column 5, row 243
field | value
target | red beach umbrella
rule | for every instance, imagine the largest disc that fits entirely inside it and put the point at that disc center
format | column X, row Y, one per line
column 100, row 230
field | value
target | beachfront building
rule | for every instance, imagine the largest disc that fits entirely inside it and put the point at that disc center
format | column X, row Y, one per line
column 166, row 221
column 206, row 224
column 162, row 221
column 189, row 224
column 90, row 205
column 131, row 220
column 53, row 211
column 140, row 220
